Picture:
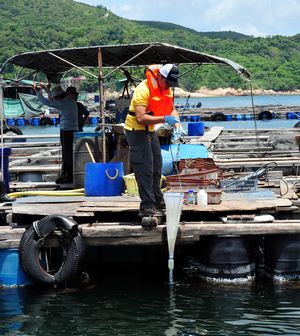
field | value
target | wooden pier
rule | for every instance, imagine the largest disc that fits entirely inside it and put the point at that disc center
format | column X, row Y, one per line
column 115, row 221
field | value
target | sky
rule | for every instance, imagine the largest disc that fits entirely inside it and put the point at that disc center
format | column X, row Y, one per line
column 250, row 17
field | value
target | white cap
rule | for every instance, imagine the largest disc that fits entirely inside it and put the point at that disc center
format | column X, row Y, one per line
column 171, row 73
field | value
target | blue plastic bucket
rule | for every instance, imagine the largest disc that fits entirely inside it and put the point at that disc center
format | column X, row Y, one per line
column 104, row 179
column 11, row 273
column 195, row 118
column 54, row 121
column 93, row 120
column 10, row 122
column 21, row 122
column 228, row 117
column 196, row 128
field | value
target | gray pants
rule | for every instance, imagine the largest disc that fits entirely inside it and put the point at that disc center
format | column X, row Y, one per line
column 146, row 161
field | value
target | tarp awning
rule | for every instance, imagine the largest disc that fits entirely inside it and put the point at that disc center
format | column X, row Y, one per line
column 27, row 106
column 115, row 55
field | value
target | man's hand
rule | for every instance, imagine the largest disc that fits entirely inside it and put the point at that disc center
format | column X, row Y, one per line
column 35, row 87
column 169, row 119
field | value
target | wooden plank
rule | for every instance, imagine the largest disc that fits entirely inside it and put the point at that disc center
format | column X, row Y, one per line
column 208, row 136
column 32, row 185
column 249, row 137
column 32, row 136
column 239, row 160
column 189, row 232
column 44, row 209
column 240, row 205
column 225, row 205
column 38, row 168
column 107, row 209
column 110, row 204
column 32, row 144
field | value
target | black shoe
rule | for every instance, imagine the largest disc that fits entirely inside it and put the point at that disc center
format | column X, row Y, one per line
column 67, row 180
column 161, row 205
column 3, row 197
column 60, row 179
column 6, row 199
column 147, row 212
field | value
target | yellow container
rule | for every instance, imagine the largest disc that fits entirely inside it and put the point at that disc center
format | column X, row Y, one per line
column 131, row 185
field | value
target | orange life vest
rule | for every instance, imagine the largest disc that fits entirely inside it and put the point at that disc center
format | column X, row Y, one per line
column 161, row 102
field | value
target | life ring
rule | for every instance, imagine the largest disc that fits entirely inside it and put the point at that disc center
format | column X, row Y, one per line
column 70, row 241
column 45, row 121
column 218, row 116
column 265, row 115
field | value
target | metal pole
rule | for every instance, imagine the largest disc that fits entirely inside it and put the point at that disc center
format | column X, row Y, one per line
column 131, row 59
column 1, row 124
column 73, row 65
column 101, row 103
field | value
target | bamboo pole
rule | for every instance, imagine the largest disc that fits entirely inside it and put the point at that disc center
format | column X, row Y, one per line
column 101, row 102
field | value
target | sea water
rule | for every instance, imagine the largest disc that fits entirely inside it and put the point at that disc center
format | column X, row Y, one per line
column 142, row 303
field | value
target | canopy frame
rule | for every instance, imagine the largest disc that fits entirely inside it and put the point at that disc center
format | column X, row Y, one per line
column 81, row 58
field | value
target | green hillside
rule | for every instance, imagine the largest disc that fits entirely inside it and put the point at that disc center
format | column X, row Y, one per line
column 28, row 25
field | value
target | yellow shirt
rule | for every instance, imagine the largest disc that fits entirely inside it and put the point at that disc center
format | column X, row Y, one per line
column 141, row 97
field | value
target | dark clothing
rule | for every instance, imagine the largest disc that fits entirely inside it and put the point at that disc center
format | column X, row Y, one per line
column 83, row 113
column 146, row 161
column 66, row 139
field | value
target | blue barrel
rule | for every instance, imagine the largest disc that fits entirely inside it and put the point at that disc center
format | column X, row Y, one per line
column 238, row 117
column 196, row 128
column 290, row 115
column 93, row 120
column 96, row 99
column 54, row 121
column 228, row 117
column 21, row 122
column 195, row 118
column 11, row 273
column 35, row 121
column 5, row 152
column 104, row 179
column 10, row 122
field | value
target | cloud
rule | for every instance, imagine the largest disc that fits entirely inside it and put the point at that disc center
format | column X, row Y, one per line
column 252, row 17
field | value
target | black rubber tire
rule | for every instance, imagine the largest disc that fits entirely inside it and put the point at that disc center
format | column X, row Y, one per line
column 16, row 131
column 265, row 115
column 45, row 121
column 218, row 116
column 297, row 125
column 32, row 242
column 12, row 129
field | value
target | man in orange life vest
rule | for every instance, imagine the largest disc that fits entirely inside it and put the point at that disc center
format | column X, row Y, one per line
column 152, row 103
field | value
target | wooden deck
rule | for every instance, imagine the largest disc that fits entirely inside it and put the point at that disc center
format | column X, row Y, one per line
column 124, row 233
column 124, row 226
